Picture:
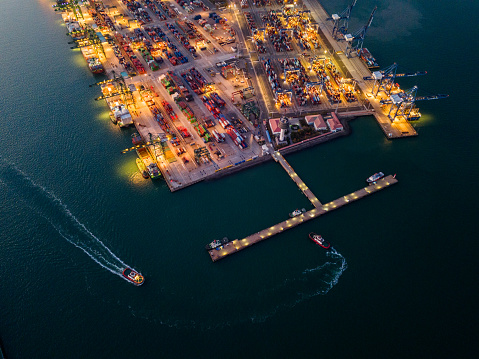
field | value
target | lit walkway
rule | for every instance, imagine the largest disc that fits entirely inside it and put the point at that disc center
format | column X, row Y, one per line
column 237, row 245
column 302, row 186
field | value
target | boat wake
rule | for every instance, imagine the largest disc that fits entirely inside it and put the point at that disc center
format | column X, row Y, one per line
column 248, row 307
column 310, row 283
column 51, row 208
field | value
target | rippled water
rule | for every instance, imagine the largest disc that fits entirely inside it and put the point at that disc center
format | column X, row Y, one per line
column 74, row 210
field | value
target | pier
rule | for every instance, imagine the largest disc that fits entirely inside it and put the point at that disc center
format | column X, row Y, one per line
column 240, row 244
column 302, row 186
column 318, row 210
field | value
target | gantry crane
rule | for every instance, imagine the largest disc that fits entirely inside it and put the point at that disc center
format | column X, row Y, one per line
column 358, row 36
column 341, row 21
column 403, row 104
column 69, row 5
column 121, row 89
column 152, row 141
column 385, row 79
column 90, row 39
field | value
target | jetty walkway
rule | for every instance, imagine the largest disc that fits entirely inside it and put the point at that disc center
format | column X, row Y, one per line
column 302, row 186
column 240, row 244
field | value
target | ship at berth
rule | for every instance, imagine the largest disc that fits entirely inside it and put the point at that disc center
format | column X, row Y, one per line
column 91, row 56
column 95, row 65
column 120, row 114
column 368, row 58
column 297, row 212
column 142, row 168
column 150, row 164
column 89, row 43
column 375, row 177
column 217, row 243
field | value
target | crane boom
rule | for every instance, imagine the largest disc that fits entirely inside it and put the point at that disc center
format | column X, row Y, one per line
column 359, row 36
column 341, row 21
column 406, row 74
column 419, row 98
column 432, row 97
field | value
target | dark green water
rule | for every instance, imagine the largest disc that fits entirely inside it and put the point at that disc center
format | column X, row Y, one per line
column 73, row 211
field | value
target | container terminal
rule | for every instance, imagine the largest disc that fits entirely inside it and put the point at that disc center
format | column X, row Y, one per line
column 214, row 87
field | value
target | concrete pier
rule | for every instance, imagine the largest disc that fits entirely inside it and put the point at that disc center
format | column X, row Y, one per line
column 302, row 186
column 240, row 244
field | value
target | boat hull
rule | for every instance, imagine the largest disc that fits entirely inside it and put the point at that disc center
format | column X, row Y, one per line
column 217, row 243
column 368, row 58
column 320, row 241
column 297, row 212
column 142, row 168
column 375, row 177
column 133, row 277
column 150, row 164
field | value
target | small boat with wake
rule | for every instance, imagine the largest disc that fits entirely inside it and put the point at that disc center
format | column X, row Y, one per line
column 316, row 238
column 375, row 177
column 297, row 212
column 133, row 277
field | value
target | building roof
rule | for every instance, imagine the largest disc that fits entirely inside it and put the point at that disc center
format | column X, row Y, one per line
column 310, row 119
column 334, row 123
column 318, row 122
column 274, row 124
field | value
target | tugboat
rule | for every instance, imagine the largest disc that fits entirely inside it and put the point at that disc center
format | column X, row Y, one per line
column 319, row 240
column 134, row 277
column 297, row 212
column 216, row 243
column 375, row 177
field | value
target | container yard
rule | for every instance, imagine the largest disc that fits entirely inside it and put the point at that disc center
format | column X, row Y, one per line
column 209, row 89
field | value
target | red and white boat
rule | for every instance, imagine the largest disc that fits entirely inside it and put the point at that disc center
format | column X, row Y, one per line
column 319, row 240
column 375, row 177
column 134, row 277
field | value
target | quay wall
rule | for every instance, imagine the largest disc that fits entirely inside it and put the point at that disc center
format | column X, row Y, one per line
column 344, row 118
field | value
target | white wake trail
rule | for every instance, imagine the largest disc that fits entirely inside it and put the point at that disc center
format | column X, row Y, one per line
column 47, row 205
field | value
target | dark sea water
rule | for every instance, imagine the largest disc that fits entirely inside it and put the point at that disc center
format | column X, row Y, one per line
column 402, row 282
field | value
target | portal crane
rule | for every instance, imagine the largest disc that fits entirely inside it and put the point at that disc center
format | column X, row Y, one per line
column 341, row 21
column 90, row 39
column 358, row 36
column 403, row 104
column 159, row 139
column 121, row 90
column 384, row 79
column 69, row 5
